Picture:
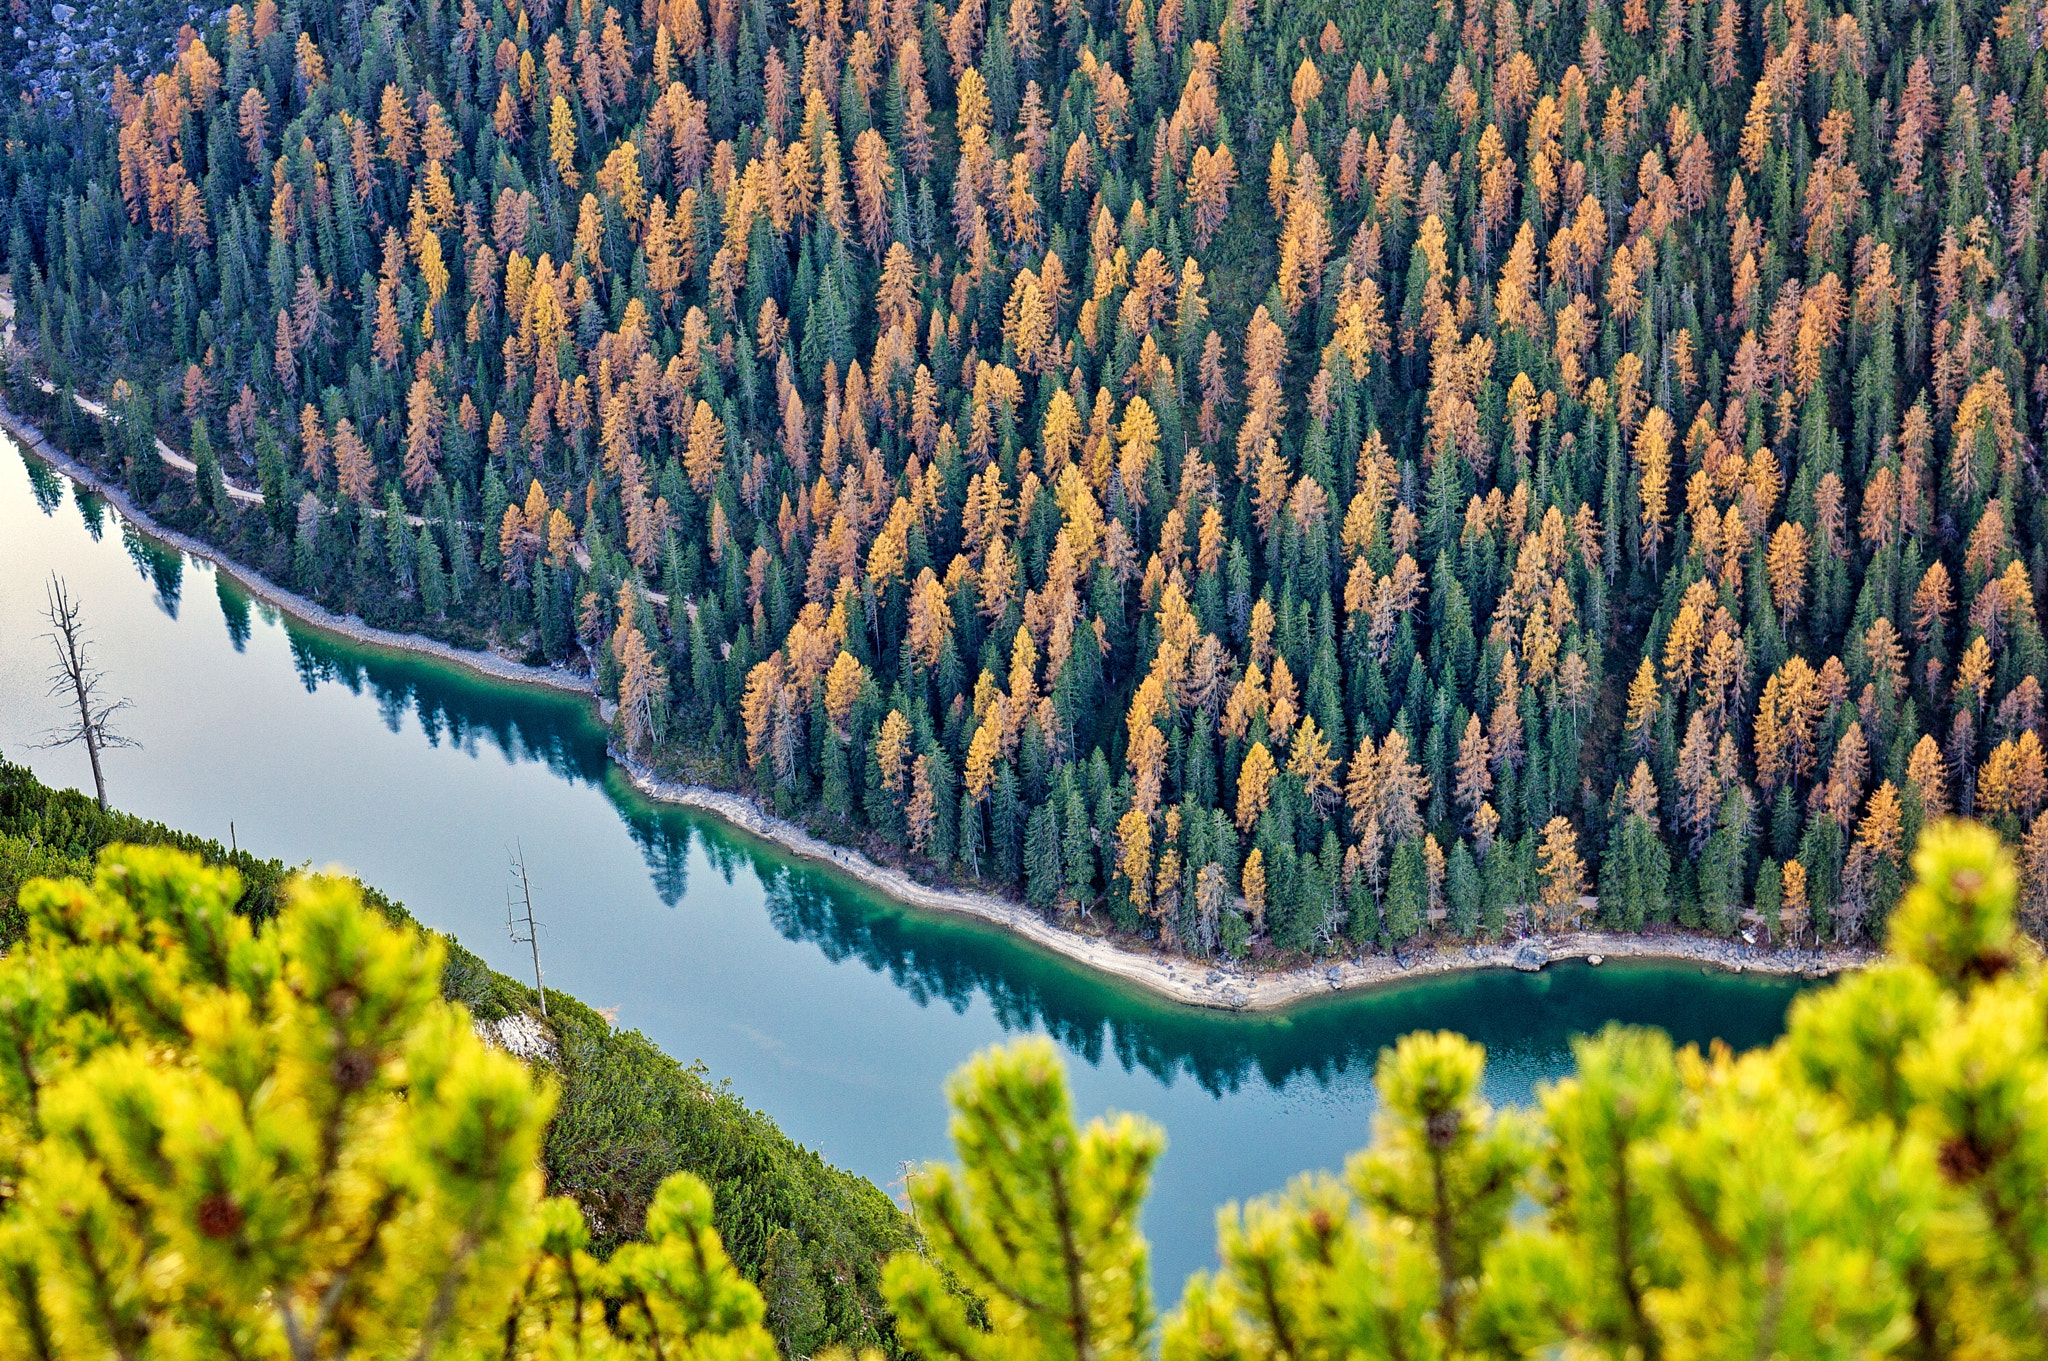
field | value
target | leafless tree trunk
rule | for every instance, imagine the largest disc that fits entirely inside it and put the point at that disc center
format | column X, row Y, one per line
column 520, row 913
column 74, row 679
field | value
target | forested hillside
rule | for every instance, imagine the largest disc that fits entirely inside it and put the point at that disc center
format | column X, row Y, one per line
column 626, row 1116
column 1279, row 477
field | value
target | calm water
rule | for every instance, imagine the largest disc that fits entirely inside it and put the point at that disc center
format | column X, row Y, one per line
column 829, row 1007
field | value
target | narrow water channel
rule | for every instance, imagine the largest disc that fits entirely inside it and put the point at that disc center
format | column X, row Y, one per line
column 836, row 1011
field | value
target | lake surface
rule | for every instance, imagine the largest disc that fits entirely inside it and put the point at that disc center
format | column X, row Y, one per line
column 835, row 1010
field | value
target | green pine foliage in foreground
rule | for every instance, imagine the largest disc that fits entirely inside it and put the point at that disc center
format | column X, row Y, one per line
column 225, row 1138
column 625, row 1115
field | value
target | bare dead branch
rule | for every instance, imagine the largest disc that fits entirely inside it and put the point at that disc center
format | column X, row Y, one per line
column 74, row 679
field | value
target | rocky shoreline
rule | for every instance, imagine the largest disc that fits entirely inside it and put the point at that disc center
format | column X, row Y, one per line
column 1225, row 986
column 1228, row 986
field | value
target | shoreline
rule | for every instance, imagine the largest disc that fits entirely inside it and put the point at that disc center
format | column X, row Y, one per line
column 309, row 612
column 1227, row 986
column 1224, row 986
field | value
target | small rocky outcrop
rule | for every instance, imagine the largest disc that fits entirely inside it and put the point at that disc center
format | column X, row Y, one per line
column 522, row 1036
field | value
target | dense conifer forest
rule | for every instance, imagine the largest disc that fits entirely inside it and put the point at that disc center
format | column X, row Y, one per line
column 1275, row 479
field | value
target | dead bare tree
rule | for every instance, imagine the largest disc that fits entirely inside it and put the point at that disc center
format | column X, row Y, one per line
column 74, row 678
column 518, row 913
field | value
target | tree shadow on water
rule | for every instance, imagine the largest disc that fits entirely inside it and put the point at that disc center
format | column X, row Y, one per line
column 1526, row 1021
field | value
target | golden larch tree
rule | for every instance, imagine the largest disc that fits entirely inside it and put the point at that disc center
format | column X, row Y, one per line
column 1254, row 785
column 1563, row 871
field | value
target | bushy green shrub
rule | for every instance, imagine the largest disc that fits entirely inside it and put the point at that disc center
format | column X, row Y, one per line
column 627, row 1116
column 219, row 1141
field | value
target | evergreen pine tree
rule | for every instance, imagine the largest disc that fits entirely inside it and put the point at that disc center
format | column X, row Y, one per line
column 1407, row 892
